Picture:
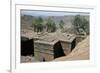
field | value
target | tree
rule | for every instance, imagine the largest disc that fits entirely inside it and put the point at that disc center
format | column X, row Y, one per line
column 34, row 24
column 77, row 22
column 81, row 24
column 85, row 25
column 39, row 20
column 53, row 27
column 61, row 24
column 38, row 24
column 50, row 25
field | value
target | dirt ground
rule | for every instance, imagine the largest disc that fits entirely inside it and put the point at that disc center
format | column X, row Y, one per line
column 28, row 59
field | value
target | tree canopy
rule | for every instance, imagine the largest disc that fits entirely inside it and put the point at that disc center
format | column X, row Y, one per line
column 81, row 24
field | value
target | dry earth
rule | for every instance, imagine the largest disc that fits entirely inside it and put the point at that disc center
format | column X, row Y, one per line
column 28, row 59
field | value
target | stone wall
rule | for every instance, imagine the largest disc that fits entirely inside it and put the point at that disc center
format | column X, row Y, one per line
column 48, row 52
column 43, row 52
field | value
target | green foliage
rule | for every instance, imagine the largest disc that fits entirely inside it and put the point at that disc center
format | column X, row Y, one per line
column 50, row 25
column 53, row 29
column 61, row 24
column 39, row 20
column 34, row 25
column 38, row 24
column 39, row 27
column 77, row 22
column 85, row 25
column 81, row 24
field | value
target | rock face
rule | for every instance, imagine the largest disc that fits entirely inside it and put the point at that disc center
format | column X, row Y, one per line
column 80, row 52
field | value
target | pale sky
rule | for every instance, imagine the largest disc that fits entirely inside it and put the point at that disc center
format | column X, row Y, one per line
column 49, row 13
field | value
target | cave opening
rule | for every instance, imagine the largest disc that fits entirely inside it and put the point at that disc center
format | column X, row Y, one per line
column 58, row 50
column 27, row 46
column 73, row 44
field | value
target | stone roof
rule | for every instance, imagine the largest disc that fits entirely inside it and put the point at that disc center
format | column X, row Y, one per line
column 65, row 37
column 48, row 37
column 28, row 34
column 52, row 38
column 47, row 40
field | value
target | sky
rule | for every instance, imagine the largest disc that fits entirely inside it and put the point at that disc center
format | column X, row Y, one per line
column 50, row 13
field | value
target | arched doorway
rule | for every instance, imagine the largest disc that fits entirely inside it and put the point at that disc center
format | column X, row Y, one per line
column 58, row 50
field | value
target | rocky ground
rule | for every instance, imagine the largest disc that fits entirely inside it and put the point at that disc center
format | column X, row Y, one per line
column 28, row 59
